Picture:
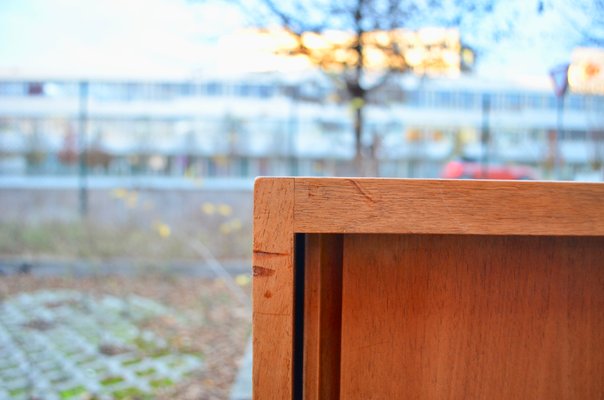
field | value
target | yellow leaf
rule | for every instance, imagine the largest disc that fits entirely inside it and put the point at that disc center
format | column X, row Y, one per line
column 225, row 228
column 225, row 210
column 163, row 230
column 208, row 208
column 242, row 279
column 235, row 225
column 119, row 193
column 357, row 103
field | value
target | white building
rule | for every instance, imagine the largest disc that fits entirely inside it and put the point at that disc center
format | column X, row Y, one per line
column 263, row 124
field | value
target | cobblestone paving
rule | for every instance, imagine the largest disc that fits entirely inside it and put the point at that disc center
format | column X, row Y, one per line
column 70, row 345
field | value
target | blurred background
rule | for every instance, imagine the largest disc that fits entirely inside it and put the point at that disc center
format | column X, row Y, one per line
column 131, row 132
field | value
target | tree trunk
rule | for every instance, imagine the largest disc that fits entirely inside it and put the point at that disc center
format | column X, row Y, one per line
column 359, row 164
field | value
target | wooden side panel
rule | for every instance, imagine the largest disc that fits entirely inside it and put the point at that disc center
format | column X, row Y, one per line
column 448, row 207
column 322, row 317
column 273, row 288
column 472, row 317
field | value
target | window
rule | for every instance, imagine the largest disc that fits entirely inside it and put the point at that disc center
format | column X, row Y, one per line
column 213, row 89
column 265, row 91
column 575, row 102
column 467, row 100
column 12, row 89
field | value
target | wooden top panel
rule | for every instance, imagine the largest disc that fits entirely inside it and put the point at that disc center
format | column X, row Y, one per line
column 368, row 205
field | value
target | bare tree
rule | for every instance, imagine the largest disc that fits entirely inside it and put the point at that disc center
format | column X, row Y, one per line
column 586, row 17
column 371, row 28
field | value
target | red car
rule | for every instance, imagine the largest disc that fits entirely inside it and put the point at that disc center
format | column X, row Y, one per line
column 475, row 170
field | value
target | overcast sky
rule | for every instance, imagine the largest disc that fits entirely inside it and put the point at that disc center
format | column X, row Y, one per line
column 178, row 37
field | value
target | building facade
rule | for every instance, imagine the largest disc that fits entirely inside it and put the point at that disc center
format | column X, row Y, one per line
column 267, row 124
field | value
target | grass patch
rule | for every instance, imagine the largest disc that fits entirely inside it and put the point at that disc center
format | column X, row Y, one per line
column 160, row 383
column 112, row 380
column 145, row 372
column 72, row 392
column 82, row 239
column 18, row 391
column 161, row 353
column 131, row 393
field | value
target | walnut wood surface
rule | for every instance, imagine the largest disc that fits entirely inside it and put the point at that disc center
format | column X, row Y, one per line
column 273, row 283
column 472, row 317
column 342, row 205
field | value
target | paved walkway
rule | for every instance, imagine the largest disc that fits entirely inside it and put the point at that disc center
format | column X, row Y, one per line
column 242, row 388
column 63, row 344
column 116, row 267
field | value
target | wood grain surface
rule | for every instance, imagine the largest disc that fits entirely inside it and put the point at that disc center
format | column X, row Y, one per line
column 340, row 205
column 322, row 316
column 449, row 289
column 472, row 317
column 273, row 286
